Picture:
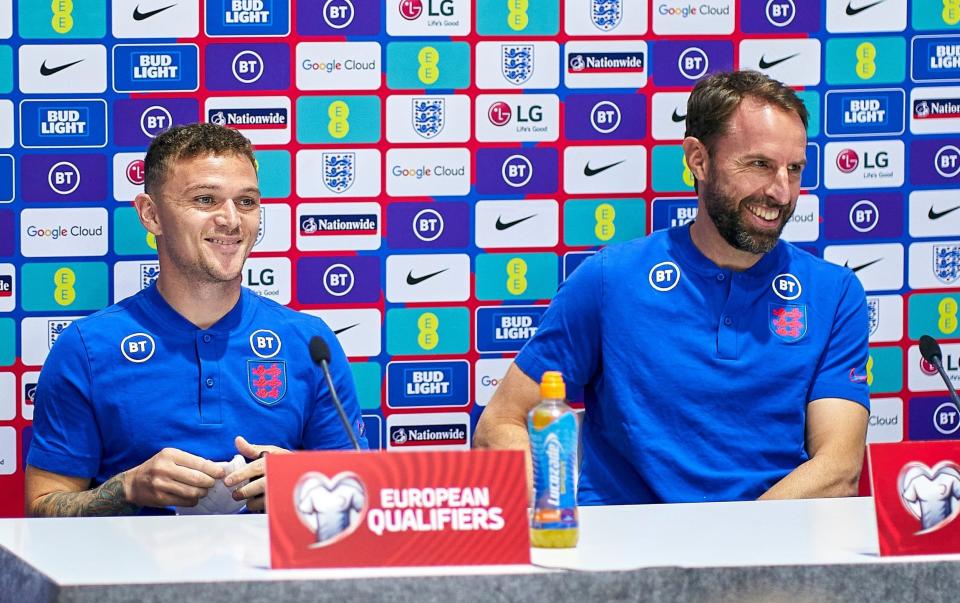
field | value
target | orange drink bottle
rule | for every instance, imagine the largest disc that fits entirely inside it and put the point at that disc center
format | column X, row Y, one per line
column 553, row 446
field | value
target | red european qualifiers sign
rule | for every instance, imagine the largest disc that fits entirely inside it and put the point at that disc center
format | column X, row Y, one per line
column 366, row 509
column 916, row 491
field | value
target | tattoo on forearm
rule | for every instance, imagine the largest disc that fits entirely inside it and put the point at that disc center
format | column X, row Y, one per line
column 104, row 500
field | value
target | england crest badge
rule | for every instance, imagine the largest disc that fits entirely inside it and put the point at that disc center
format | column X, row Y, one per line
column 946, row 263
column 55, row 328
column 428, row 116
column 267, row 381
column 516, row 62
column 338, row 170
column 606, row 14
column 788, row 321
column 149, row 271
column 873, row 311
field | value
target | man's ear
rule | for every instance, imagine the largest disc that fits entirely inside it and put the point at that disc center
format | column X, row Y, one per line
column 698, row 159
column 147, row 211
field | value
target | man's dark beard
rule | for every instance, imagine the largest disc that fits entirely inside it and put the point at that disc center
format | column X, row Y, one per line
column 726, row 216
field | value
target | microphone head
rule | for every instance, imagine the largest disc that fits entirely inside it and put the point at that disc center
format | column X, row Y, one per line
column 930, row 349
column 319, row 350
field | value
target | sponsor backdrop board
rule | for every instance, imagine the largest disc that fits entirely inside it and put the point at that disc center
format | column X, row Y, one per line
column 501, row 142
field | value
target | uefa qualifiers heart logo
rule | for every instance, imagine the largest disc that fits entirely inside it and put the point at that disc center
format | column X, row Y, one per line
column 931, row 495
column 331, row 508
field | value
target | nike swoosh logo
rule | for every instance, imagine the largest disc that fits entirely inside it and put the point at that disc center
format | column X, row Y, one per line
column 846, row 264
column 501, row 225
column 765, row 64
column 416, row 280
column 44, row 70
column 338, row 331
column 856, row 11
column 138, row 16
column 936, row 215
column 677, row 118
column 589, row 171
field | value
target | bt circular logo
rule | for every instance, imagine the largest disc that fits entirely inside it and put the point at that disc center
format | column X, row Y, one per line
column 693, row 63
column 138, row 347
column 787, row 286
column 780, row 13
column 499, row 113
column 265, row 343
column 136, row 174
column 847, row 161
column 411, row 9
column 247, row 66
column 428, row 225
column 945, row 419
column 605, row 117
column 338, row 14
column 63, row 178
column 664, row 276
column 516, row 171
column 155, row 120
column 338, row 280
column 864, row 215
column 947, row 161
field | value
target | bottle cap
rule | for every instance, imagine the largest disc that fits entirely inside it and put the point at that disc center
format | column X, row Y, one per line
column 552, row 385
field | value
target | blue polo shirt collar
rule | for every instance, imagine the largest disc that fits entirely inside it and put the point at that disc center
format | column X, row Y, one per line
column 166, row 317
column 693, row 259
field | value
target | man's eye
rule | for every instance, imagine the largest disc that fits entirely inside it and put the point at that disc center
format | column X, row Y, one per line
column 248, row 202
column 760, row 163
column 205, row 200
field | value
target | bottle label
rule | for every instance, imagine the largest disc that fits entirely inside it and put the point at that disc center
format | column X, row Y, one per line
column 554, row 451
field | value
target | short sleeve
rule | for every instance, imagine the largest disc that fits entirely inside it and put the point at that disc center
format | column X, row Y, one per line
column 66, row 437
column 842, row 370
column 324, row 430
column 568, row 339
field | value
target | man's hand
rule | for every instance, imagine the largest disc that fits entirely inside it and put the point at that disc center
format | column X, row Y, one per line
column 171, row 477
column 253, row 471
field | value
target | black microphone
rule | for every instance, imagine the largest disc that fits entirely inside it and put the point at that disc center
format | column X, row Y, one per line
column 320, row 353
column 930, row 350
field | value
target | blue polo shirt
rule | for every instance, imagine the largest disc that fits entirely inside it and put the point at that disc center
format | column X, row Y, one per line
column 121, row 384
column 696, row 378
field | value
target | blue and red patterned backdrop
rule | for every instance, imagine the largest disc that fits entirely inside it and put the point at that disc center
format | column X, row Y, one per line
column 433, row 169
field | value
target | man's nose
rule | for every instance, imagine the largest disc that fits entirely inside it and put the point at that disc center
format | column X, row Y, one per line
column 228, row 215
column 780, row 189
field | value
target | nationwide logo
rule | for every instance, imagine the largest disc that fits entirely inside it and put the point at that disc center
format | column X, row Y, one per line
column 314, row 225
column 411, row 436
column 936, row 108
column 6, row 285
column 607, row 62
column 250, row 119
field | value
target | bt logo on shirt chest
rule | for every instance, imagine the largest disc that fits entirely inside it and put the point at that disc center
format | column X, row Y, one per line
column 265, row 343
column 787, row 286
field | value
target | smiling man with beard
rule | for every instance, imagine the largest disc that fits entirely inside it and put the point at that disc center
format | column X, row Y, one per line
column 717, row 361
column 137, row 402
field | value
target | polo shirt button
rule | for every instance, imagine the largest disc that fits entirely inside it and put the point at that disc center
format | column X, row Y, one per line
column 207, row 338
column 209, row 381
column 721, row 277
column 727, row 320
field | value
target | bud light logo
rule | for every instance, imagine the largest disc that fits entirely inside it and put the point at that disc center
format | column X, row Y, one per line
column 248, row 17
column 428, row 384
column 46, row 124
column 865, row 112
column 155, row 68
column 507, row 329
column 137, row 347
column 936, row 58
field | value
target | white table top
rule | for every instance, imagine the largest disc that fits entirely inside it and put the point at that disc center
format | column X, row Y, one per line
column 157, row 550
